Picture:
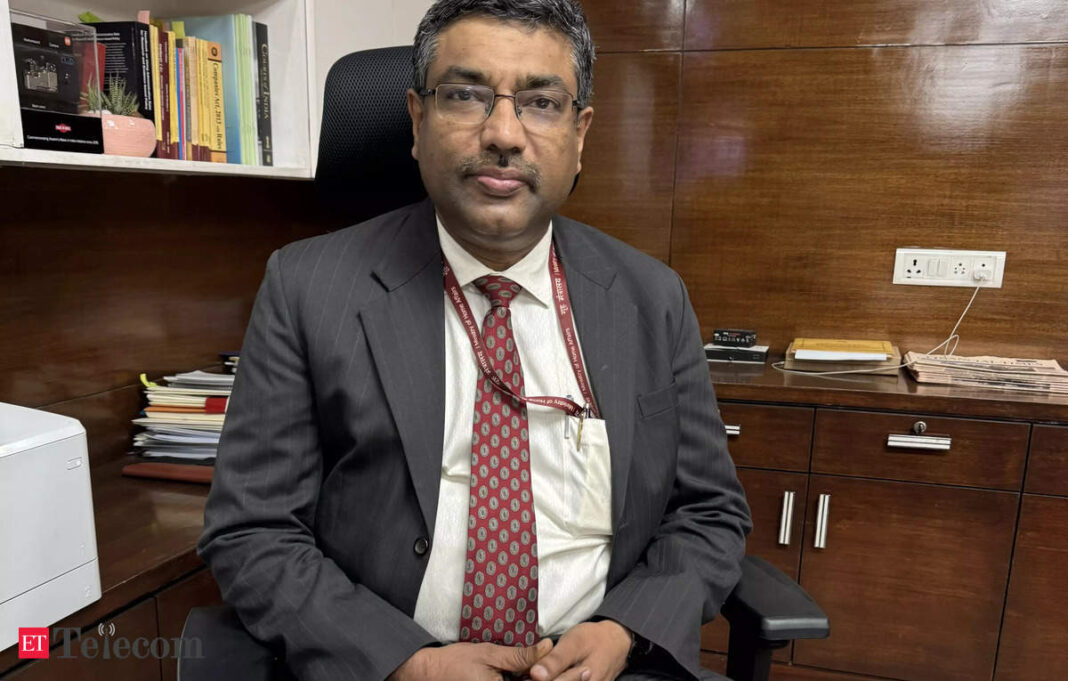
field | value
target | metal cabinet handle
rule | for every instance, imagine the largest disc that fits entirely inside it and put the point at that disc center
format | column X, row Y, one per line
column 733, row 431
column 821, row 521
column 928, row 442
column 786, row 523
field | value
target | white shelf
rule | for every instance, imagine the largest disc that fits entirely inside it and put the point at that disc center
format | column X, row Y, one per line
column 306, row 37
column 70, row 159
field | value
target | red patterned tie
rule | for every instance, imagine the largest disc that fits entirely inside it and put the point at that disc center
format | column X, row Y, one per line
column 500, row 597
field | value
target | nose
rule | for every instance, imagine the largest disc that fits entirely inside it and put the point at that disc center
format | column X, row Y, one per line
column 502, row 130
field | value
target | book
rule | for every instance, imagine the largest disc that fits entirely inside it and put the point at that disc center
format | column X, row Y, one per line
column 129, row 57
column 216, row 110
column 172, row 78
column 223, row 31
column 179, row 70
column 163, row 149
column 250, row 153
column 203, row 102
column 263, row 95
column 157, row 111
column 840, row 350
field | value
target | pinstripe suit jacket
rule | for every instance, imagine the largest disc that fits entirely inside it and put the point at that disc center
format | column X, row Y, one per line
column 327, row 478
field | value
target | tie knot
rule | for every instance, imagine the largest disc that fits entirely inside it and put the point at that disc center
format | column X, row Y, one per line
column 500, row 290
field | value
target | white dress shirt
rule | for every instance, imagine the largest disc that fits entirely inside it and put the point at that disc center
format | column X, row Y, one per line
column 572, row 489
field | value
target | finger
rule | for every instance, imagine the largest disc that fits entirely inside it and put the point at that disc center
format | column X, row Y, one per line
column 518, row 659
column 566, row 654
column 580, row 672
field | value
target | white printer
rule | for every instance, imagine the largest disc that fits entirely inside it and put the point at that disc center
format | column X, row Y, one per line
column 48, row 562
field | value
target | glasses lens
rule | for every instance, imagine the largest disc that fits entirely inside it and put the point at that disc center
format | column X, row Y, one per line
column 467, row 103
column 544, row 108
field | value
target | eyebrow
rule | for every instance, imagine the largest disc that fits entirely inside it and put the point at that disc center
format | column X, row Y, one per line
column 468, row 75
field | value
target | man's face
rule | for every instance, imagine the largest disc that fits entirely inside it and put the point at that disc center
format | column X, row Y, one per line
column 496, row 184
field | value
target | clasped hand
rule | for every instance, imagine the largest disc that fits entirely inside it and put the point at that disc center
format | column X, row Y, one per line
column 590, row 651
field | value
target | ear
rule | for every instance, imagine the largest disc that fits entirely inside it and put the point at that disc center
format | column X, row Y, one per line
column 417, row 112
column 585, row 118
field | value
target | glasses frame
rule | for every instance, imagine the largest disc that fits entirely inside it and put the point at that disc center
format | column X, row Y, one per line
column 493, row 104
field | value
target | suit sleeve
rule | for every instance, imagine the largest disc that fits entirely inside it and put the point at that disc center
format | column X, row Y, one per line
column 692, row 562
column 259, row 534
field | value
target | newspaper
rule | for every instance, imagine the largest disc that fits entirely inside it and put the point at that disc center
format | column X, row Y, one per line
column 1002, row 373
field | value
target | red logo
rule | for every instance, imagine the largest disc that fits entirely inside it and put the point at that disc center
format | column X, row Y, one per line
column 63, row 127
column 33, row 643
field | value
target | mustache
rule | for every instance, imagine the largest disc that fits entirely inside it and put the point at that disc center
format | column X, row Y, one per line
column 472, row 165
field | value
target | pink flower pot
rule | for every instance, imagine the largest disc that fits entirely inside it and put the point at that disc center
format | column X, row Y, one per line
column 128, row 135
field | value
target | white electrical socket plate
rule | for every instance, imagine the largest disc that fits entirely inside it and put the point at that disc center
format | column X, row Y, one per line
column 940, row 267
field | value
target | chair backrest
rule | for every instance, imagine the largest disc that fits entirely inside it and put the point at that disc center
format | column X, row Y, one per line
column 365, row 164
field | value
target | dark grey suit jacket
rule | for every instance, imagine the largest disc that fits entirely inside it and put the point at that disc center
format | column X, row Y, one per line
column 326, row 484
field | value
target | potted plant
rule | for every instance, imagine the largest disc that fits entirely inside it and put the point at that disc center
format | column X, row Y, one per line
column 126, row 133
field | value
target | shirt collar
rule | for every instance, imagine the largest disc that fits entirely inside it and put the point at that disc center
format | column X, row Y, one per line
column 532, row 272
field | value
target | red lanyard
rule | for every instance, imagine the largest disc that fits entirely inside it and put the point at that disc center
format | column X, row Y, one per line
column 563, row 311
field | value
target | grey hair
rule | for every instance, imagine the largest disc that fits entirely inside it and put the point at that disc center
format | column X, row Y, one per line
column 565, row 16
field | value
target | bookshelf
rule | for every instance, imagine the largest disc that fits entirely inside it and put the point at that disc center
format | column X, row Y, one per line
column 299, row 64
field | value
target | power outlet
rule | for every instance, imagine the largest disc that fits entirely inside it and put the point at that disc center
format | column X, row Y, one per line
column 940, row 267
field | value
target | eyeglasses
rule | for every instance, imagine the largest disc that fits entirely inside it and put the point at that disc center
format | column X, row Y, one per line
column 468, row 104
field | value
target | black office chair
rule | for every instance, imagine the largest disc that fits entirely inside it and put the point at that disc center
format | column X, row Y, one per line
column 365, row 169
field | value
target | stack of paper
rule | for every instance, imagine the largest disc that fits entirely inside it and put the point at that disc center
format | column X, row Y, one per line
column 1004, row 373
column 184, row 418
column 833, row 355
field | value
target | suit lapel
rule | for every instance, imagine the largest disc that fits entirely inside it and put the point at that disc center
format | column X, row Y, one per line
column 405, row 328
column 606, row 323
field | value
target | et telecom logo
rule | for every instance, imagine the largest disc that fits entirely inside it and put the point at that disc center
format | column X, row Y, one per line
column 34, row 644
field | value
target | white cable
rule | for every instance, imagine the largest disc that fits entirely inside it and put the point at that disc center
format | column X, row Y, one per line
column 953, row 338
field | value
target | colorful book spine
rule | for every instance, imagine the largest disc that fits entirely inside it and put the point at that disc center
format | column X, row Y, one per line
column 172, row 74
column 263, row 96
column 216, row 103
column 157, row 111
column 179, row 67
column 165, row 150
column 223, row 31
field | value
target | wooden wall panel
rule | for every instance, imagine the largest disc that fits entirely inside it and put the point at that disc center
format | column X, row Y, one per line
column 106, row 275
column 106, row 418
column 635, row 26
column 800, row 172
column 729, row 24
column 628, row 162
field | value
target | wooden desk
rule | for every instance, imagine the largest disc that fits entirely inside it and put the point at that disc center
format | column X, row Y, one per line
column 146, row 533
column 916, row 566
column 799, row 433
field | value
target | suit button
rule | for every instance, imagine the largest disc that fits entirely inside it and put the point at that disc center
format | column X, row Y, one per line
column 421, row 546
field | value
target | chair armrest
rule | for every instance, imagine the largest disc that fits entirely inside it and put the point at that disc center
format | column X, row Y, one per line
column 768, row 604
column 216, row 647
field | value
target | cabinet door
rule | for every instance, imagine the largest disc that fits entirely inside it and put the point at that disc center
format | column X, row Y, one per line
column 1047, row 469
column 765, row 492
column 912, row 577
column 1034, row 639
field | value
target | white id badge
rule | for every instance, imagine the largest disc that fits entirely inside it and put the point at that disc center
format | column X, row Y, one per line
column 589, row 478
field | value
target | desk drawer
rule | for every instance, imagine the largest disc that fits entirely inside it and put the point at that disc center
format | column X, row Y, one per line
column 955, row 452
column 1048, row 471
column 767, row 436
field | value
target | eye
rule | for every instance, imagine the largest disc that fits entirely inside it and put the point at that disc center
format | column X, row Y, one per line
column 546, row 103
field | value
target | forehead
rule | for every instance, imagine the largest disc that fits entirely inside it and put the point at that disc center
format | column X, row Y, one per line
column 505, row 53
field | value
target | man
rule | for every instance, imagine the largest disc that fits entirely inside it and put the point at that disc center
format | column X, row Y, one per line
column 405, row 492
